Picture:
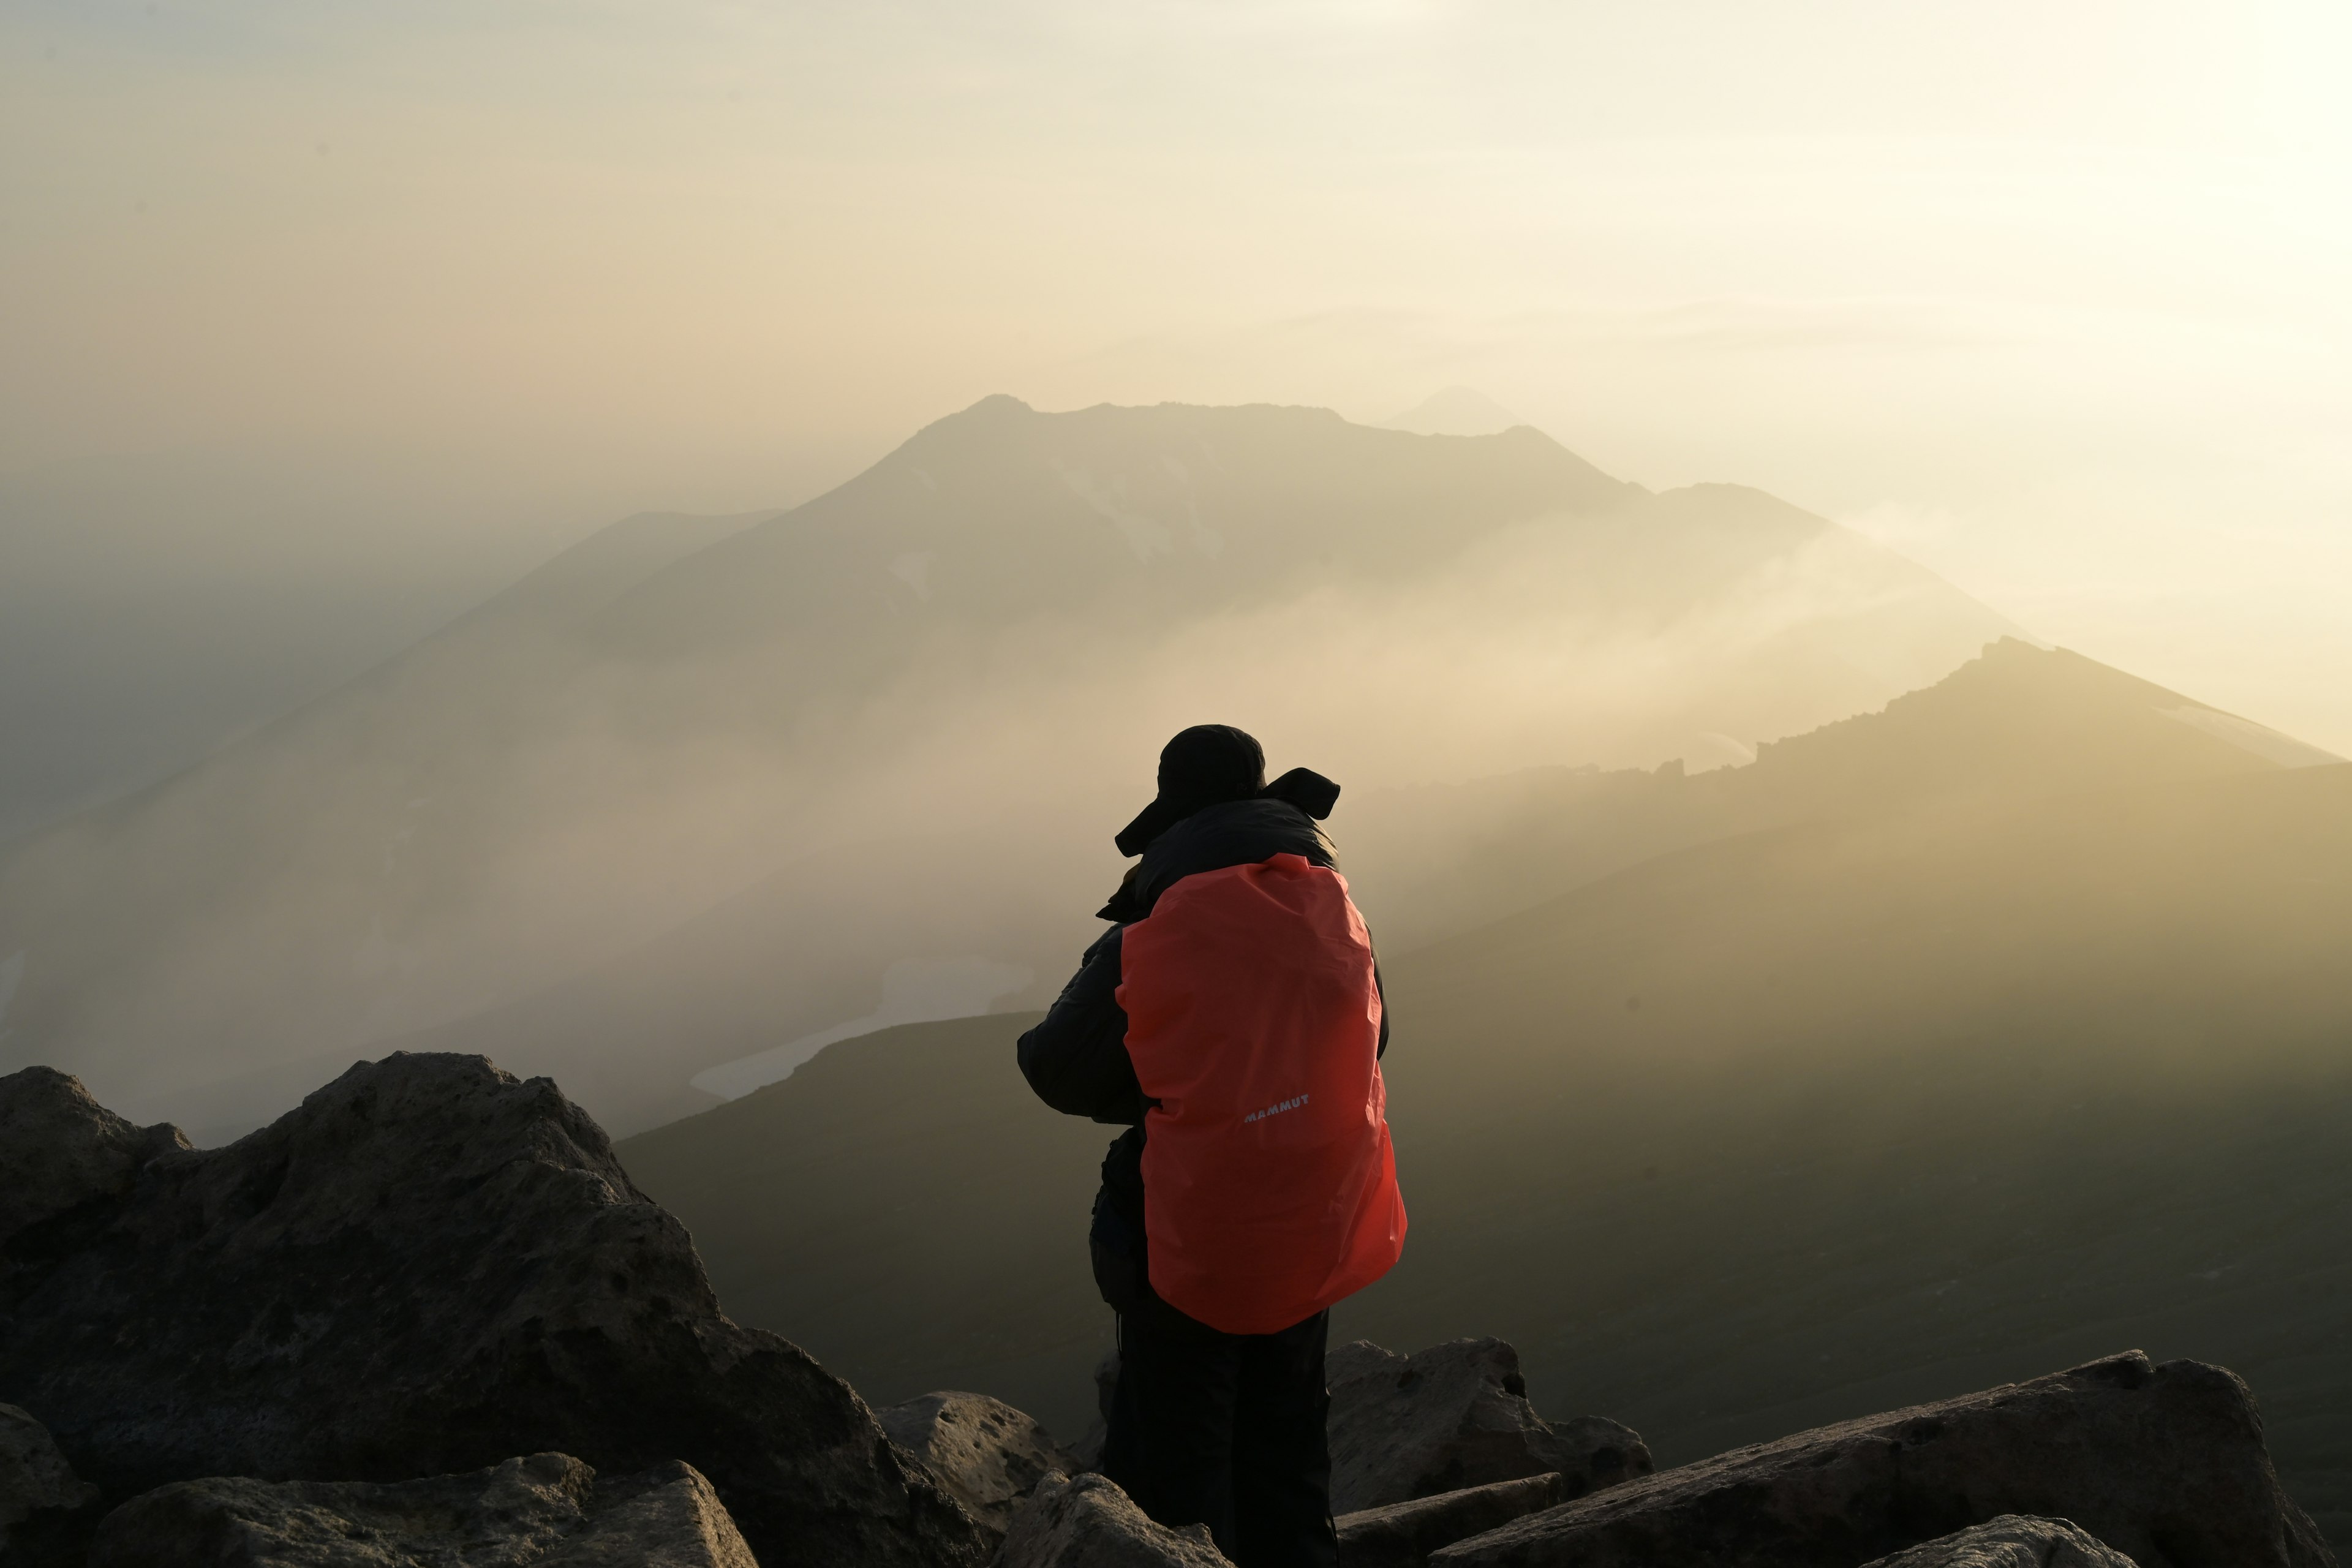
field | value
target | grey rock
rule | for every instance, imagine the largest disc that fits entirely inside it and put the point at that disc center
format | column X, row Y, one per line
column 2012, row 1540
column 1452, row 1416
column 986, row 1454
column 547, row 1510
column 424, row 1268
column 1403, row 1534
column 45, row 1510
column 59, row 1148
column 668, row 1517
column 2165, row 1464
column 1090, row 1522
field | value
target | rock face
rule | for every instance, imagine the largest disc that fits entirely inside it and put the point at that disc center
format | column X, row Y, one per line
column 45, row 1510
column 1456, row 1415
column 1091, row 1523
column 2164, row 1464
column 547, row 1510
column 59, row 1148
column 427, row 1268
column 2012, row 1540
column 1403, row 1534
column 986, row 1454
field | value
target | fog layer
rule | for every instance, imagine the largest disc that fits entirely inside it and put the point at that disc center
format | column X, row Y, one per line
column 900, row 724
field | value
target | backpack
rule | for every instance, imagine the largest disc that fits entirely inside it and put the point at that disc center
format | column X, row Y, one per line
column 1253, row 1017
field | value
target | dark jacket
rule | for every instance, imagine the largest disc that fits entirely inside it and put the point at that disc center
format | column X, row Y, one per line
column 1077, row 1059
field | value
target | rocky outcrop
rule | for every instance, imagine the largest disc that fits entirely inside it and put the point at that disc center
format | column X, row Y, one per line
column 1452, row 1416
column 1403, row 1534
column 45, row 1510
column 59, row 1148
column 1089, row 1522
column 547, row 1510
column 2012, row 1540
column 986, row 1454
column 2164, row 1464
column 425, row 1269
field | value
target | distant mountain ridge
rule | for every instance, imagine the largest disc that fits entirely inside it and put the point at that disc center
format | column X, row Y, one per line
column 2016, row 721
column 901, row 720
column 1455, row 411
column 1232, row 504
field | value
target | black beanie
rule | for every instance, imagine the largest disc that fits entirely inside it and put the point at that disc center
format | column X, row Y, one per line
column 1210, row 765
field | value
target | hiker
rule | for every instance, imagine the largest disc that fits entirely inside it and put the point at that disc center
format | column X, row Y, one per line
column 1232, row 1019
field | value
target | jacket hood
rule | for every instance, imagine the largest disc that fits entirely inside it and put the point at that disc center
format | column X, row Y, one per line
column 1234, row 833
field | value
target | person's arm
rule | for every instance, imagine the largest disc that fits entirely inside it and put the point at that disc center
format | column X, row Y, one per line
column 1077, row 1059
column 1382, row 992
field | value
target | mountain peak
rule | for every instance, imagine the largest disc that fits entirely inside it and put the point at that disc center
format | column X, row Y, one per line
column 1455, row 411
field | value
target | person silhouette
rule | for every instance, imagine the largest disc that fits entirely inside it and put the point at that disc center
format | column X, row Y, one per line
column 1233, row 1018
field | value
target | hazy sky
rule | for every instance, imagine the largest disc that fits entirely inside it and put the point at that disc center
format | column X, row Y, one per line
column 2051, row 295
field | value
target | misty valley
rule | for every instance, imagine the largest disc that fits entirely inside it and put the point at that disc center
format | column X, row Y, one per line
column 1811, row 995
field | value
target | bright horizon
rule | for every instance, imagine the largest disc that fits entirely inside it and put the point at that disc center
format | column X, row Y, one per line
column 2048, row 298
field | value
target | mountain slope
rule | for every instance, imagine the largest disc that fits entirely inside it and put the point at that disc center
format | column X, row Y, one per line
column 154, row 606
column 974, row 648
column 2015, row 720
column 781, row 961
column 1455, row 411
column 2040, row 1046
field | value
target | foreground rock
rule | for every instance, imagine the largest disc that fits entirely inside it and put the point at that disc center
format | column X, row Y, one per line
column 547, row 1510
column 1456, row 1415
column 1403, row 1534
column 986, row 1454
column 59, row 1148
column 1091, row 1523
column 427, row 1268
column 45, row 1510
column 2164, row 1464
column 2012, row 1540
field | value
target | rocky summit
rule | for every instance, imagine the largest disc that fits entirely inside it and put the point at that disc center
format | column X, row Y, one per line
column 1403, row 1534
column 45, row 1510
column 427, row 1319
column 427, row 1268
column 2165, row 1464
column 986, row 1454
column 546, row 1510
column 2012, row 1540
column 1089, row 1522
column 1456, row 1415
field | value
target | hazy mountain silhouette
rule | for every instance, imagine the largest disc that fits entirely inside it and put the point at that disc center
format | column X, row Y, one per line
column 1939, row 1045
column 2018, row 721
column 1455, row 411
column 894, row 727
column 154, row 606
column 774, row 963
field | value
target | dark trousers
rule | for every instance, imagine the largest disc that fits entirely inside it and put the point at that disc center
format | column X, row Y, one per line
column 1226, row 1430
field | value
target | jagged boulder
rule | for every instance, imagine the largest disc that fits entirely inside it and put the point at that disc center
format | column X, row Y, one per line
column 1403, row 1534
column 2164, row 1464
column 1452, row 1416
column 987, row 1454
column 1090, row 1522
column 59, row 1148
column 2012, row 1540
column 45, row 1510
column 427, row 1268
column 547, row 1510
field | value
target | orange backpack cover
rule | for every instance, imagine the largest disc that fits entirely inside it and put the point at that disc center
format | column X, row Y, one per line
column 1253, row 1017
